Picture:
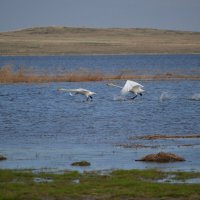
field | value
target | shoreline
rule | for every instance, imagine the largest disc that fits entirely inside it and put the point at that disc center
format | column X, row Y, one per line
column 97, row 54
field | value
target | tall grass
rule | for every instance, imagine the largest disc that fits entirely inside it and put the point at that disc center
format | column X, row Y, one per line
column 9, row 75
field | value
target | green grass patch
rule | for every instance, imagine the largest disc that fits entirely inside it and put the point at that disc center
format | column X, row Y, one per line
column 118, row 184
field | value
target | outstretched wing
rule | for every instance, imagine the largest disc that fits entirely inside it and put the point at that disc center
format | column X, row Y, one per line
column 129, row 85
column 67, row 90
column 62, row 90
column 74, row 91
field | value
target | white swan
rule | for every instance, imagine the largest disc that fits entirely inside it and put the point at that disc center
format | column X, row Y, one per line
column 130, row 87
column 81, row 91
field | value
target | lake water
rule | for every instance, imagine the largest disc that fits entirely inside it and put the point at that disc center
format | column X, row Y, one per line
column 139, row 64
column 42, row 128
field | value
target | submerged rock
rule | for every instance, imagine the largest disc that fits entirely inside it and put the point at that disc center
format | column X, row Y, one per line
column 82, row 163
column 2, row 158
column 162, row 157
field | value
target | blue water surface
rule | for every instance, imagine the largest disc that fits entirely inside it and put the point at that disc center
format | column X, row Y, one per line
column 145, row 64
column 42, row 128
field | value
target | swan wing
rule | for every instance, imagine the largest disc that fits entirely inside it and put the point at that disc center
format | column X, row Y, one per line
column 67, row 90
column 137, row 89
column 62, row 90
column 111, row 84
column 77, row 91
column 129, row 86
column 73, row 91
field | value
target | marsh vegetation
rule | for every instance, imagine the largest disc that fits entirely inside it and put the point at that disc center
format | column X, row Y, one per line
column 23, row 75
column 118, row 184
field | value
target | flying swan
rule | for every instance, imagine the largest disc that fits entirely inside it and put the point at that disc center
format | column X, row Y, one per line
column 130, row 87
column 81, row 91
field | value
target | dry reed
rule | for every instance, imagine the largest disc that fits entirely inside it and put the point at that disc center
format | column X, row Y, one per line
column 158, row 136
column 8, row 75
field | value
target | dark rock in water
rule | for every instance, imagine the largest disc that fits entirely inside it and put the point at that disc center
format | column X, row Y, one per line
column 82, row 163
column 161, row 157
column 2, row 158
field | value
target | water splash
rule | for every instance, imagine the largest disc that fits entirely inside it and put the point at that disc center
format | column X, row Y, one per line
column 195, row 97
column 118, row 98
column 165, row 96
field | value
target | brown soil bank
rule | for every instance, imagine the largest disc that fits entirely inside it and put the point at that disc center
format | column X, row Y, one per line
column 66, row 40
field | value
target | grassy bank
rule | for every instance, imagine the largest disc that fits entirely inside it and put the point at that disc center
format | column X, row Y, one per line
column 119, row 184
column 66, row 40
column 8, row 75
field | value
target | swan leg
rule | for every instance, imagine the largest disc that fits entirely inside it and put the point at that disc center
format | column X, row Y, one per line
column 134, row 97
column 91, row 98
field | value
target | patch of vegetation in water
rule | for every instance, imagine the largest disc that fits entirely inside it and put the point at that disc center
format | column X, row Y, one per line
column 82, row 163
column 118, row 184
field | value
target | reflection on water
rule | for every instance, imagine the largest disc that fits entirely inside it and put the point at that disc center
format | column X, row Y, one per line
column 43, row 128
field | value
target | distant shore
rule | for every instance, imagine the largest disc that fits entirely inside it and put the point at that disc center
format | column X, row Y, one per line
column 109, row 41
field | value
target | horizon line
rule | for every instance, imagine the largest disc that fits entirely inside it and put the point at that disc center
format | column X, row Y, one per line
column 98, row 28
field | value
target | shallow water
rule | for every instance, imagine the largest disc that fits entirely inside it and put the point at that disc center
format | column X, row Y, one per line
column 172, row 179
column 41, row 127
